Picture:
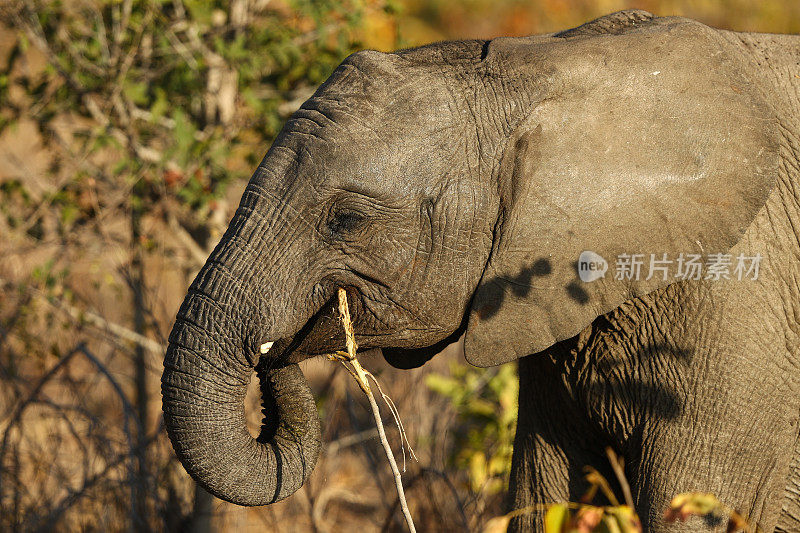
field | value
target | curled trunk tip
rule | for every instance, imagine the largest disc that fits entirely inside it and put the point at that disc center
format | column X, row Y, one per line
column 205, row 420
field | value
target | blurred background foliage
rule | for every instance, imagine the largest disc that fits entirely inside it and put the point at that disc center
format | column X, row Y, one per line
column 128, row 129
column 486, row 407
column 427, row 20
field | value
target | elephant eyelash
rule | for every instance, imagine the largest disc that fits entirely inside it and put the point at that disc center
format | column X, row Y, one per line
column 345, row 221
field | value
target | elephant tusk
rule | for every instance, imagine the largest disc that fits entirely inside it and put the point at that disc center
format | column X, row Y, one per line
column 265, row 347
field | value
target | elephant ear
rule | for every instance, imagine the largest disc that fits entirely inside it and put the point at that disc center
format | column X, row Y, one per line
column 615, row 23
column 647, row 141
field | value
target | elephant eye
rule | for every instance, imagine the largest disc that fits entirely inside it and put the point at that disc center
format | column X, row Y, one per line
column 345, row 221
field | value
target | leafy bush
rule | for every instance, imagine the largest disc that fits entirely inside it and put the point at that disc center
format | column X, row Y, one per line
column 486, row 405
column 123, row 124
column 171, row 99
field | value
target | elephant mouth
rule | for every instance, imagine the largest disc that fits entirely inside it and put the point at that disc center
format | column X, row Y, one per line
column 323, row 334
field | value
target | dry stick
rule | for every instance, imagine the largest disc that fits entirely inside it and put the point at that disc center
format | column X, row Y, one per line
column 396, row 414
column 619, row 471
column 84, row 315
column 350, row 440
column 360, row 376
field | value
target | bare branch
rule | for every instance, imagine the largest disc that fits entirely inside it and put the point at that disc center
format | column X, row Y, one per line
column 361, row 378
column 83, row 315
column 333, row 447
column 195, row 250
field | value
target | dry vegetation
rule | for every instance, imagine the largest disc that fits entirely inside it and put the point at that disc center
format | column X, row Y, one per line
column 127, row 132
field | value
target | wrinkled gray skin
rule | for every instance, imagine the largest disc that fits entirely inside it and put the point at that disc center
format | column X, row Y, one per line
column 451, row 188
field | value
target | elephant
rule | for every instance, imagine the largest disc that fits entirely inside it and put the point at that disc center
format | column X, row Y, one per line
column 455, row 191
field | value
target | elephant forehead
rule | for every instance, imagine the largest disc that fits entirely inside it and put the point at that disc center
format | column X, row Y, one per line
column 361, row 90
column 408, row 119
column 378, row 167
column 348, row 147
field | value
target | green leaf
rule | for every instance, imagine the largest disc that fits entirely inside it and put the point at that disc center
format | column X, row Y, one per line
column 441, row 384
column 184, row 136
column 160, row 105
column 69, row 213
column 477, row 470
column 498, row 524
column 556, row 517
column 623, row 518
column 136, row 92
column 689, row 504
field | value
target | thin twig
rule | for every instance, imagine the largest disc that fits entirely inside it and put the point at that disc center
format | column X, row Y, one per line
column 73, row 495
column 84, row 315
column 421, row 476
column 350, row 440
column 360, row 375
column 619, row 471
column 396, row 414
column 598, row 480
column 199, row 255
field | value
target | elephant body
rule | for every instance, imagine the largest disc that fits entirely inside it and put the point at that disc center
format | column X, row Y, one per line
column 697, row 384
column 451, row 190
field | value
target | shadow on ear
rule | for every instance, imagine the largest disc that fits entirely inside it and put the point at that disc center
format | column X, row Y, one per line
column 645, row 142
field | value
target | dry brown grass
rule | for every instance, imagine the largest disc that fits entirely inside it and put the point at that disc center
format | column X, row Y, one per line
column 74, row 458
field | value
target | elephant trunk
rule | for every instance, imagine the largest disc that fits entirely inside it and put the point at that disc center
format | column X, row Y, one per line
column 207, row 370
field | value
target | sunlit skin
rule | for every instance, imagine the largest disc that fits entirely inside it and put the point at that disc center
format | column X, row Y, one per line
column 451, row 191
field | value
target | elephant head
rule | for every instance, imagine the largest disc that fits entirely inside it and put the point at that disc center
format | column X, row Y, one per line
column 451, row 189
